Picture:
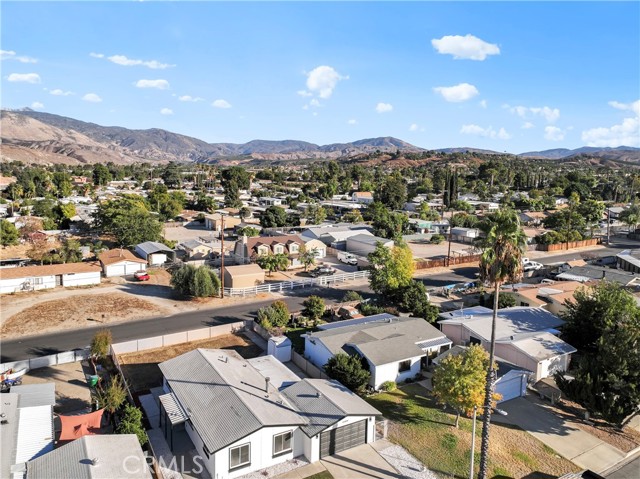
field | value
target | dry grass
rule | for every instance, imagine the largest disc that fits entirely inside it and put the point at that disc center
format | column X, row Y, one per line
column 78, row 311
column 427, row 432
column 141, row 369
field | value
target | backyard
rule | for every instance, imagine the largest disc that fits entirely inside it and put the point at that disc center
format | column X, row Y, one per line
column 418, row 424
column 141, row 369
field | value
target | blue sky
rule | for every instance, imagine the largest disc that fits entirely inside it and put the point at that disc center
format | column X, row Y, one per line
column 507, row 76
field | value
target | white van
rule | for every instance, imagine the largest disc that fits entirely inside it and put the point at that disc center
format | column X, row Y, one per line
column 347, row 258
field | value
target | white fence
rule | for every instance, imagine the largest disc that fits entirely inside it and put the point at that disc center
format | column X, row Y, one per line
column 46, row 361
column 305, row 283
column 175, row 338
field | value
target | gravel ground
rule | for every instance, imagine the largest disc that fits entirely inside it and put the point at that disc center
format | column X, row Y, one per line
column 405, row 463
column 277, row 470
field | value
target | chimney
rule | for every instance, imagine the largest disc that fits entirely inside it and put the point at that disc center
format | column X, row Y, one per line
column 244, row 239
column 266, row 384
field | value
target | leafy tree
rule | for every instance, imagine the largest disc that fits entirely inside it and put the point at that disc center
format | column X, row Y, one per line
column 390, row 225
column 413, row 298
column 248, row 231
column 348, row 370
column 244, row 212
column 101, row 175
column 459, row 381
column 307, row 257
column 62, row 182
column 352, row 216
column 350, row 296
column 591, row 211
column 505, row 300
column 38, row 250
column 631, row 216
column 182, row 279
column 167, row 205
column 426, row 213
column 391, row 269
column 8, row 233
column 392, row 192
column 129, row 220
column 273, row 217
column 233, row 180
column 503, row 246
column 273, row 262
column 276, row 315
column 131, row 423
column 314, row 307
column 603, row 323
column 437, row 239
column 464, row 220
column 461, row 205
column 100, row 344
column 171, row 176
column 202, row 284
column 315, row 214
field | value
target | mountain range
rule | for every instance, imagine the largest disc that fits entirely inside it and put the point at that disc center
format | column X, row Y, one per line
column 38, row 137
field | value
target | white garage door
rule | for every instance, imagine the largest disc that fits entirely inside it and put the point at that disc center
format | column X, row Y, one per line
column 509, row 389
column 133, row 267
column 116, row 270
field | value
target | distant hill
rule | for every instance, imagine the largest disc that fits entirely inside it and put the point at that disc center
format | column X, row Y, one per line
column 468, row 150
column 621, row 153
column 49, row 138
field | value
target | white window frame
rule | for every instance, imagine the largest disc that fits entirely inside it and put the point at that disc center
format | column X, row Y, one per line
column 241, row 465
column 38, row 281
column 262, row 249
column 284, row 451
column 294, row 247
column 407, row 363
column 278, row 249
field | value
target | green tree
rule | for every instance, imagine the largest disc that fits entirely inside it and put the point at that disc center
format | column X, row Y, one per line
column 603, row 323
column 182, row 279
column 62, row 182
column 348, row 370
column 459, row 381
column 505, row 300
column 314, row 307
column 426, row 213
column 202, row 284
column 101, row 175
column 8, row 233
column 129, row 220
column 307, row 257
column 461, row 205
column 315, row 214
column 390, row 225
column 631, row 216
column 248, row 231
column 171, row 176
column 350, row 296
column 391, row 269
column 503, row 246
column 131, row 423
column 100, row 345
column 276, row 315
column 392, row 192
column 273, row 262
column 413, row 298
column 352, row 216
column 273, row 217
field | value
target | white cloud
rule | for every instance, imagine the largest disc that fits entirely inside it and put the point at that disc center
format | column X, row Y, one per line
column 553, row 133
column 59, row 92
column 488, row 132
column 96, row 55
column 483, row 103
column 304, row 93
column 626, row 133
column 527, row 125
column 92, row 98
column 384, row 107
column 221, row 104
column 352, row 122
column 36, row 105
column 634, row 107
column 166, row 111
column 457, row 93
column 11, row 55
column 322, row 81
column 159, row 84
column 315, row 103
column 414, row 127
column 24, row 77
column 465, row 48
column 129, row 62
column 190, row 98
column 548, row 113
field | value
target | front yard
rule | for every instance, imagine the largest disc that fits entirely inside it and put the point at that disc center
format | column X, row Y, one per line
column 419, row 425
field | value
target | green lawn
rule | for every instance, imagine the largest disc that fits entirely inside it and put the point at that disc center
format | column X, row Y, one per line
column 420, row 426
column 321, row 475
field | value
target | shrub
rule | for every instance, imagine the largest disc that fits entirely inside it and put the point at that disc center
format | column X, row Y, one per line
column 388, row 386
column 314, row 307
column 368, row 309
column 351, row 296
column 437, row 239
column 348, row 370
column 274, row 316
column 131, row 423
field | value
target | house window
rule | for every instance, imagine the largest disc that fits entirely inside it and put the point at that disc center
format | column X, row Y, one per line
column 282, row 443
column 263, row 250
column 278, row 249
column 293, row 248
column 239, row 456
column 37, row 280
column 404, row 366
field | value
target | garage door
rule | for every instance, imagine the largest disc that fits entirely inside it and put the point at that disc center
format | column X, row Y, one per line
column 133, row 267
column 509, row 389
column 343, row 438
column 116, row 270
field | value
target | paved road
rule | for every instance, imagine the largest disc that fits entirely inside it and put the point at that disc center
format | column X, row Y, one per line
column 631, row 470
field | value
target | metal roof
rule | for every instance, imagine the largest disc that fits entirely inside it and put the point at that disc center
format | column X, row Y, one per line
column 150, row 247
column 432, row 343
column 369, row 239
column 43, row 394
column 173, row 409
column 93, row 457
column 8, row 433
column 543, row 346
column 279, row 375
column 351, row 322
column 225, row 397
column 324, row 403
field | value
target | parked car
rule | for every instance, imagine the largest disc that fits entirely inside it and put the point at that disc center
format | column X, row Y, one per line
column 348, row 258
column 141, row 276
column 323, row 271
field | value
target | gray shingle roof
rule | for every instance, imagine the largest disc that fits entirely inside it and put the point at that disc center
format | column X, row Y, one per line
column 324, row 403
column 225, row 396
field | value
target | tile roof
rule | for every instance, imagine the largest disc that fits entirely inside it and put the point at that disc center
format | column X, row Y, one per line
column 113, row 256
column 50, row 270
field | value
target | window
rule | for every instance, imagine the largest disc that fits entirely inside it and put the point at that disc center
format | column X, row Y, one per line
column 404, row 366
column 282, row 443
column 278, row 249
column 263, row 250
column 473, row 340
column 239, row 456
column 37, row 281
column 293, row 248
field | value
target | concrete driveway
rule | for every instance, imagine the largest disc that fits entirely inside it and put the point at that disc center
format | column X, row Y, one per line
column 578, row 446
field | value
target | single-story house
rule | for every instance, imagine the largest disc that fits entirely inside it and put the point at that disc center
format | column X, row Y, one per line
column 525, row 336
column 362, row 244
column 92, row 457
column 270, row 201
column 464, row 235
column 120, row 262
column 394, row 348
column 364, row 197
column 243, row 276
column 31, row 278
column 550, row 296
column 629, row 260
column 590, row 272
column 214, row 221
column 240, row 422
column 511, row 381
column 154, row 253
column 196, row 249
column 27, row 430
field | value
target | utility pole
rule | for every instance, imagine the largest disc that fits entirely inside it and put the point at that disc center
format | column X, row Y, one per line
column 222, row 256
column 449, row 252
column 608, row 224
column 473, row 441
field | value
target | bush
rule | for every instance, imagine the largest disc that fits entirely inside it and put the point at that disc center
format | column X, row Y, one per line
column 199, row 282
column 131, row 423
column 437, row 239
column 274, row 316
column 314, row 307
column 351, row 296
column 388, row 386
column 348, row 370
column 369, row 309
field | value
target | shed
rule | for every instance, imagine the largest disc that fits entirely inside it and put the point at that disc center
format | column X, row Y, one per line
column 120, row 262
column 243, row 276
column 280, row 348
column 155, row 253
column 362, row 244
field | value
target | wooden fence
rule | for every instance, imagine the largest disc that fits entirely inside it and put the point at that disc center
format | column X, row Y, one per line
column 442, row 262
column 569, row 245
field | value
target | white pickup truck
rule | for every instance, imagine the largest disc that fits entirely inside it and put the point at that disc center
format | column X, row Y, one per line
column 528, row 265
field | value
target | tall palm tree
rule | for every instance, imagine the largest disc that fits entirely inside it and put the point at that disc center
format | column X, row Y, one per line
column 503, row 245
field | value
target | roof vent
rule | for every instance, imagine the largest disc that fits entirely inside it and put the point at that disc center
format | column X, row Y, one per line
column 94, row 461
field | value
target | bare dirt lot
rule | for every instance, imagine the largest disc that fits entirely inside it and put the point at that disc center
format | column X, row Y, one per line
column 141, row 369
column 78, row 311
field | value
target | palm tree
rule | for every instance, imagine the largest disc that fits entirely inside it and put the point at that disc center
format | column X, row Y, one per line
column 503, row 245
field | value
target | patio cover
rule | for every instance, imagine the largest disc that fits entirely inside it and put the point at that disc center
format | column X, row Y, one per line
column 74, row 427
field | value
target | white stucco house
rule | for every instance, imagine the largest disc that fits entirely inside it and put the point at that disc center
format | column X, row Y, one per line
column 239, row 421
column 120, row 262
column 32, row 278
column 395, row 348
column 525, row 336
